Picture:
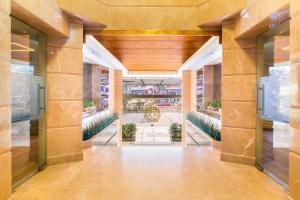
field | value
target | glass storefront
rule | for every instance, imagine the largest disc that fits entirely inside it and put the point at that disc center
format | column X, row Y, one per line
column 28, row 65
column 274, row 102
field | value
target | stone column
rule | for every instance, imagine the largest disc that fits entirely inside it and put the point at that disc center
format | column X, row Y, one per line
column 64, row 97
column 186, row 101
column 194, row 91
column 116, row 97
column 96, row 85
column 208, row 75
column 5, row 96
column 294, row 155
column 238, row 97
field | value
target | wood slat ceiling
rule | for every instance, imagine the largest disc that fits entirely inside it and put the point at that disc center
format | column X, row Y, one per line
column 152, row 52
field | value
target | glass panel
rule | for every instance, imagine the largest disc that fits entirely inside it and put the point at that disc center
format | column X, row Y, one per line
column 27, row 102
column 274, row 102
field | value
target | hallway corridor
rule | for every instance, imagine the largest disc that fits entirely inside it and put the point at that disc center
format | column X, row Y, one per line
column 150, row 173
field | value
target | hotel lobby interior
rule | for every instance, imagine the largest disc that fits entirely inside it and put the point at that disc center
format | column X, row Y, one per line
column 150, row 99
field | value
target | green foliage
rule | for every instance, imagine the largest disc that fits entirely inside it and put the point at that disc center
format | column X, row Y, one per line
column 207, row 127
column 88, row 103
column 175, row 130
column 96, row 126
column 215, row 104
column 128, row 130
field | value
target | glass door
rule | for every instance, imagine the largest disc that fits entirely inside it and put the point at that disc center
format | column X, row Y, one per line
column 28, row 56
column 273, row 103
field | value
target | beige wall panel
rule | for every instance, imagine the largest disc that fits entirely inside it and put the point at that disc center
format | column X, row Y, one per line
column 53, row 160
column 294, row 175
column 216, row 10
column 5, row 37
column 5, row 178
column 64, row 114
column 258, row 17
column 295, row 140
column 5, row 135
column 118, row 92
column 239, row 62
column 186, row 92
column 240, row 142
column 230, row 42
column 64, row 60
column 295, row 38
column 237, row 159
column 75, row 39
column 5, row 6
column 64, row 87
column 239, row 114
column 43, row 15
column 194, row 91
column 5, row 91
column 239, row 88
column 295, row 118
column 295, row 70
column 56, row 141
column 294, row 7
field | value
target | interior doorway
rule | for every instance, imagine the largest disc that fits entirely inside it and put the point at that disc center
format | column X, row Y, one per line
column 28, row 66
column 274, row 102
column 152, row 106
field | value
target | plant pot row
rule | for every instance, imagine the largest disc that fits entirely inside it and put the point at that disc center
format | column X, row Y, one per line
column 90, row 109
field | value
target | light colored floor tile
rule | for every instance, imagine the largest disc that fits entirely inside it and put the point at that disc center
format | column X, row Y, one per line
column 150, row 173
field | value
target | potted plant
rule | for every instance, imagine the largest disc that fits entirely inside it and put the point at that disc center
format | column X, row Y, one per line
column 175, row 131
column 128, row 132
column 214, row 105
column 89, row 106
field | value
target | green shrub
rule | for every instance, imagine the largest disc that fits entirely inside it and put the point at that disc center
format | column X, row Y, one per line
column 207, row 127
column 88, row 103
column 175, row 130
column 128, row 130
column 215, row 104
column 96, row 126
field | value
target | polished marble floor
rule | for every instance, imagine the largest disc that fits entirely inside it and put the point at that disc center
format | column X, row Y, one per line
column 150, row 173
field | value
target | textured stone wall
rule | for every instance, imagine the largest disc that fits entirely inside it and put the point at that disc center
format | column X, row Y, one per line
column 294, row 156
column 96, row 85
column 238, row 97
column 186, row 101
column 87, row 82
column 116, row 97
column 5, row 91
column 65, row 94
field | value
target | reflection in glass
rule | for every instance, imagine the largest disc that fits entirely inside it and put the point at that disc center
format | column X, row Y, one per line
column 27, row 101
column 274, row 102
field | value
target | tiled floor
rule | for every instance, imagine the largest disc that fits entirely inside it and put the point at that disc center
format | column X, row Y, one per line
column 150, row 173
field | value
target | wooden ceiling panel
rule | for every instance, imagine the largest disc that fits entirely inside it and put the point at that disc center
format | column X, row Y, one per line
column 152, row 52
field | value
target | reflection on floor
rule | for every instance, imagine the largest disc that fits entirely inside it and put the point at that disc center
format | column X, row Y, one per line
column 150, row 173
column 25, row 149
column 276, row 157
column 107, row 136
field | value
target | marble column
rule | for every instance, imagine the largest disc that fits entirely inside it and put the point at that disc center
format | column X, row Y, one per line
column 64, row 97
column 238, row 97
column 115, row 96
column 5, row 96
column 294, row 155
column 186, row 101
